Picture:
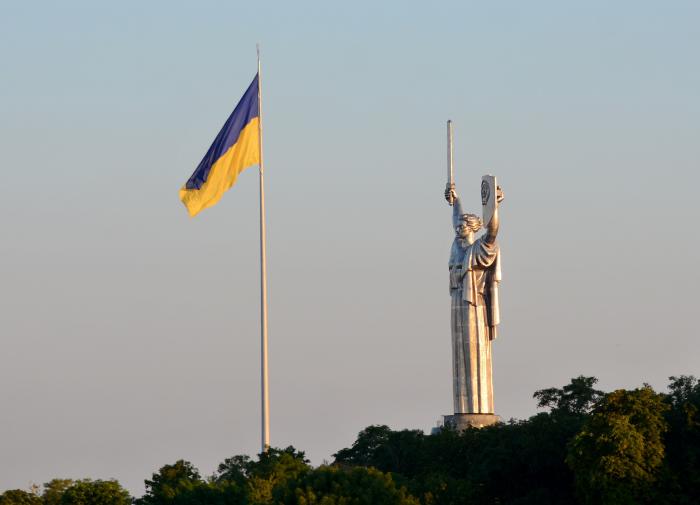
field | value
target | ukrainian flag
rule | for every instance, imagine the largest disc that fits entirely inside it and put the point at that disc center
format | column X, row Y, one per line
column 235, row 148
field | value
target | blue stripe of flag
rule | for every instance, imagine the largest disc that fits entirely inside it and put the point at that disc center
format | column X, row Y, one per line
column 245, row 111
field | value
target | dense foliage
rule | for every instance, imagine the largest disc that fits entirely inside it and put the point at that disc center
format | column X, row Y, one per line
column 625, row 447
column 69, row 492
column 588, row 447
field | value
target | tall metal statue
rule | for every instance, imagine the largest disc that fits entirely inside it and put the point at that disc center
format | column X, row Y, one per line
column 475, row 273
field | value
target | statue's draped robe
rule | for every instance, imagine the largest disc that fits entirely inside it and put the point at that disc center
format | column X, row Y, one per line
column 474, row 277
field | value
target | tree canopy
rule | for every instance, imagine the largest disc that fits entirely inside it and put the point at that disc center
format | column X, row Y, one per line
column 586, row 447
column 617, row 454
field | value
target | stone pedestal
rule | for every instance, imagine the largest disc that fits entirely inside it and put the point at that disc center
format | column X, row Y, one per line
column 463, row 421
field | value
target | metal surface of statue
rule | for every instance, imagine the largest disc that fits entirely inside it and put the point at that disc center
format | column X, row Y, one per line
column 474, row 276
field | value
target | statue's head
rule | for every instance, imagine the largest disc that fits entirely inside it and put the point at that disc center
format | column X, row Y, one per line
column 468, row 225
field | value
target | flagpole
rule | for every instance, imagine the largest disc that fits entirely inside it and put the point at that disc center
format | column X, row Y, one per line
column 264, row 382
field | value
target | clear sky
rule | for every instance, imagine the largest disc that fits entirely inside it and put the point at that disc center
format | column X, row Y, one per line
column 129, row 332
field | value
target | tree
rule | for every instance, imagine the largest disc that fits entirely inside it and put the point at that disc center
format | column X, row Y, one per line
column 336, row 486
column 618, row 452
column 212, row 493
column 260, row 477
column 274, row 468
column 234, row 469
column 181, row 484
column 287, row 462
column 363, row 451
column 682, row 477
column 170, row 481
column 279, row 464
column 95, row 492
column 387, row 450
column 19, row 497
column 54, row 489
column 576, row 398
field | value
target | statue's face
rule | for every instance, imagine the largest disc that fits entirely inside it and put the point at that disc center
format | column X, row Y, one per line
column 469, row 224
column 462, row 230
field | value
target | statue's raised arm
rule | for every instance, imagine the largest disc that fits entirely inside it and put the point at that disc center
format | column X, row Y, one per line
column 492, row 225
column 457, row 211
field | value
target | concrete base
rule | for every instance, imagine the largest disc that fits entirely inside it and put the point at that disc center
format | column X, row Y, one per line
column 463, row 421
